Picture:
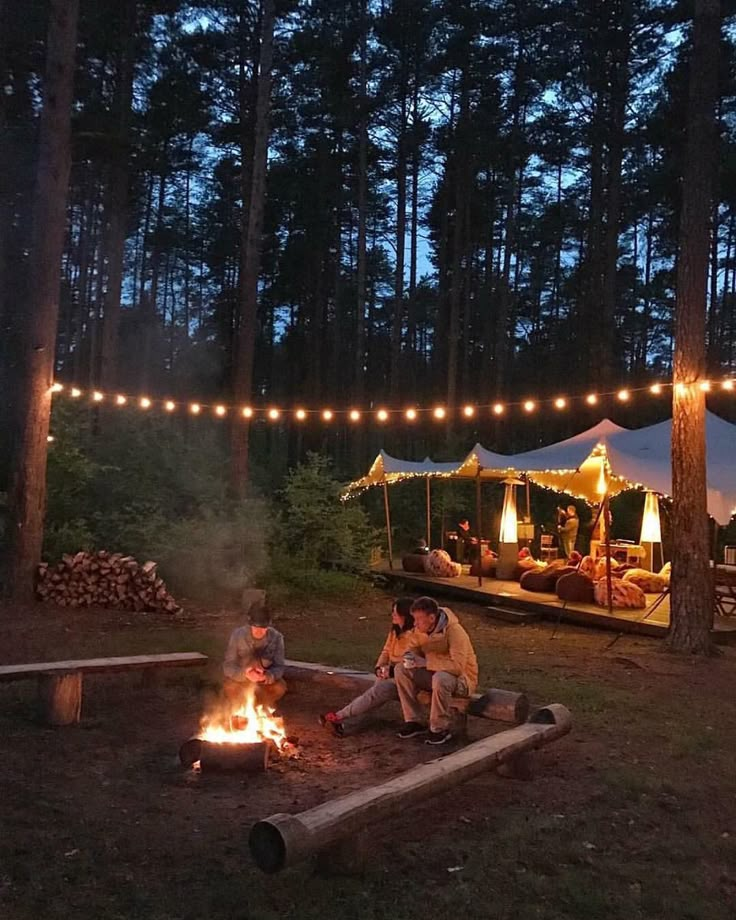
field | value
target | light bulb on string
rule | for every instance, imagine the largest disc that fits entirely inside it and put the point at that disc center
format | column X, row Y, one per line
column 195, row 408
column 727, row 385
column 327, row 415
column 220, row 411
column 592, row 399
column 354, row 415
column 655, row 389
column 498, row 409
column 56, row 387
column 560, row 403
column 705, row 386
column 530, row 405
column 145, row 402
column 169, row 405
column 246, row 412
column 411, row 415
column 121, row 400
column 75, row 393
column 382, row 415
column 468, row 411
column 439, row 412
column 97, row 396
column 623, row 395
column 274, row 414
column 300, row 414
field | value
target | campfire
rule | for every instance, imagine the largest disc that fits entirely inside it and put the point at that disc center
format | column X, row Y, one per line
column 240, row 739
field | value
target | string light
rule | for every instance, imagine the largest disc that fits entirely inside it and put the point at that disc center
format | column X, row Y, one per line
column 49, row 438
column 411, row 414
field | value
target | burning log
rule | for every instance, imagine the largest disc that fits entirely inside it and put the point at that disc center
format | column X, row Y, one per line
column 104, row 579
column 281, row 840
column 225, row 756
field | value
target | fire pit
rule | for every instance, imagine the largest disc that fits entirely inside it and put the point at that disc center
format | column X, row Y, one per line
column 237, row 741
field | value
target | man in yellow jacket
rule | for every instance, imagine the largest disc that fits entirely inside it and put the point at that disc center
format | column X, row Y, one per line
column 441, row 660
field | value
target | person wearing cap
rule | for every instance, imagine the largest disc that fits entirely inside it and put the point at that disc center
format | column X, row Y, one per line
column 255, row 659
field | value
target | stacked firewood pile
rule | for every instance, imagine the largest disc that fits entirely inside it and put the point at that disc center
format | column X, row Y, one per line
column 104, row 579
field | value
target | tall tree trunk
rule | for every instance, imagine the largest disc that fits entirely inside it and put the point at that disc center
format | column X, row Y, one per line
column 117, row 200
column 245, row 339
column 27, row 496
column 692, row 588
column 359, row 375
column 398, row 314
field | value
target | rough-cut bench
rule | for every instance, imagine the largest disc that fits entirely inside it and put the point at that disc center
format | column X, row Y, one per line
column 60, row 682
column 500, row 705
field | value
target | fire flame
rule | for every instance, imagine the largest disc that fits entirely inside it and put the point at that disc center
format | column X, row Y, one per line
column 248, row 723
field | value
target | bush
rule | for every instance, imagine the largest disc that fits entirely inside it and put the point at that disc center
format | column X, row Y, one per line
column 315, row 527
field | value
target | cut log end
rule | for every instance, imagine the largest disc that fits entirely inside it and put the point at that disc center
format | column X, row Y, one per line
column 267, row 846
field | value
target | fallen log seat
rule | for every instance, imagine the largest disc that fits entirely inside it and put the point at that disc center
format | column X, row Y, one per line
column 495, row 704
column 60, row 682
column 339, row 824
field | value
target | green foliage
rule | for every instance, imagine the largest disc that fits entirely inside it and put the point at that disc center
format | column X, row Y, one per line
column 142, row 486
column 315, row 527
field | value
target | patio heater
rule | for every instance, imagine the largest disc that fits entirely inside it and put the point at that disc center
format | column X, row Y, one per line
column 508, row 543
column 651, row 530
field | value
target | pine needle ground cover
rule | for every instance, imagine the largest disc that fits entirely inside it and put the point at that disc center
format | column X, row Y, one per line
column 630, row 816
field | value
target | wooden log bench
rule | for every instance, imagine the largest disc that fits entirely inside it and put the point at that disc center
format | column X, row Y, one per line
column 60, row 682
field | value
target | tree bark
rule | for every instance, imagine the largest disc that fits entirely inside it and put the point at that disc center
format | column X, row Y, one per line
column 245, row 338
column 27, row 496
column 692, row 587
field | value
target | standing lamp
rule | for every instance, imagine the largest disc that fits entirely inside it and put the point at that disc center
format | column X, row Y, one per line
column 651, row 529
column 508, row 543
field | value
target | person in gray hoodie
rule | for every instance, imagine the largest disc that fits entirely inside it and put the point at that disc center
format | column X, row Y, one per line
column 255, row 659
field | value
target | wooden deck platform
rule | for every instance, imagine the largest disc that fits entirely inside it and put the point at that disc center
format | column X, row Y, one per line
column 508, row 601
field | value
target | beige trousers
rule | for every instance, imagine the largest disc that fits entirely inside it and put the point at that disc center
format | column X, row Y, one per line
column 409, row 681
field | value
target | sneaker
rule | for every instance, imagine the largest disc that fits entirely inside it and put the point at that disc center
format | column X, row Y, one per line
column 332, row 723
column 440, row 737
column 411, row 729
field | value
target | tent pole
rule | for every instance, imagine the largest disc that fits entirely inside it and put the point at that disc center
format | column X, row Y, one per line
column 388, row 527
column 429, row 516
column 477, row 518
column 606, row 521
column 528, row 501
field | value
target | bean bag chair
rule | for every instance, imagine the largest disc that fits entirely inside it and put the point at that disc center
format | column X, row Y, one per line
column 649, row 582
column 414, row 562
column 623, row 594
column 439, row 564
column 600, row 567
column 575, row 587
column 545, row 579
column 587, row 567
column 488, row 566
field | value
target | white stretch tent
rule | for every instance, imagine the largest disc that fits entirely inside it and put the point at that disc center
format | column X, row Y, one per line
column 639, row 458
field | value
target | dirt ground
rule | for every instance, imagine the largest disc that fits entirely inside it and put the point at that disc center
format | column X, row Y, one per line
column 631, row 815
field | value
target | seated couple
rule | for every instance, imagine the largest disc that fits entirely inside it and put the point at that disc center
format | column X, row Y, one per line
column 426, row 649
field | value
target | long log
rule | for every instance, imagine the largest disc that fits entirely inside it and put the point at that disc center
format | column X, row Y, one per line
column 281, row 840
column 245, row 758
column 500, row 705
